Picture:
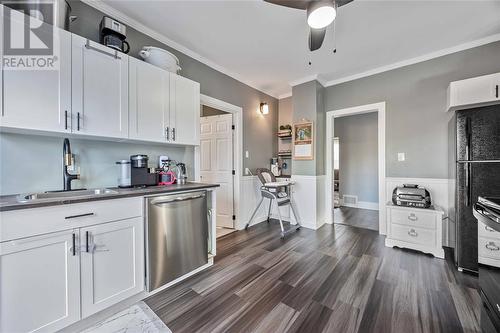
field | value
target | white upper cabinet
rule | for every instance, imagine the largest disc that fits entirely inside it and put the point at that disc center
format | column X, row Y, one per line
column 112, row 263
column 474, row 92
column 38, row 99
column 184, row 111
column 149, row 101
column 39, row 283
column 99, row 90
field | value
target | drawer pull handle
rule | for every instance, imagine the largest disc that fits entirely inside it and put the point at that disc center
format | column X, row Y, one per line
column 77, row 216
column 412, row 217
column 492, row 247
column 412, row 233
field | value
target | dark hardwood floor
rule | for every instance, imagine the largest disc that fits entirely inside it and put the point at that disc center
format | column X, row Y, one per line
column 356, row 217
column 334, row 279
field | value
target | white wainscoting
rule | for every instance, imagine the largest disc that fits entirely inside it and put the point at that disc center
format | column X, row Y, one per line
column 250, row 187
column 308, row 194
column 438, row 188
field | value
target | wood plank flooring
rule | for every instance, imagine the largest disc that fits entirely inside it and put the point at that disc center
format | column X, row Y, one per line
column 356, row 217
column 335, row 279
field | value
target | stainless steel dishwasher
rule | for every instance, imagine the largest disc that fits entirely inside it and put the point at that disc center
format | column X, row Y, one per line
column 177, row 238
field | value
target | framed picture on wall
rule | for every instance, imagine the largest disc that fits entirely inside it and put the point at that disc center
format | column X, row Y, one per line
column 303, row 141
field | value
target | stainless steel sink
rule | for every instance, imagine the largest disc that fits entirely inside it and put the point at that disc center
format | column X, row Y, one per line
column 64, row 194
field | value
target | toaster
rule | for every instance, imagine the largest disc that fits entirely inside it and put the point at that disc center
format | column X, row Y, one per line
column 411, row 195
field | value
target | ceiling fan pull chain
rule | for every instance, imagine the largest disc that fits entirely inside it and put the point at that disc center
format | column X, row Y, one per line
column 335, row 33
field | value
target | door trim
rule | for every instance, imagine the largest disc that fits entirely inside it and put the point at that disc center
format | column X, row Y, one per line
column 236, row 111
column 330, row 115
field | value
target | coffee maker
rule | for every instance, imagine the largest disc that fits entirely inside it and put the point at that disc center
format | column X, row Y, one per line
column 113, row 34
column 140, row 175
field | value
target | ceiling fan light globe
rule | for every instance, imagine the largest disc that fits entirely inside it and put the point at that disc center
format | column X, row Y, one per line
column 321, row 14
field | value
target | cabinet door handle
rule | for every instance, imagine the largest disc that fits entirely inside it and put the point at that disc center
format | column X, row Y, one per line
column 496, row 91
column 78, row 121
column 492, row 246
column 167, row 133
column 74, row 244
column 412, row 233
column 77, row 216
column 173, row 134
column 90, row 47
column 65, row 119
column 87, row 236
column 412, row 217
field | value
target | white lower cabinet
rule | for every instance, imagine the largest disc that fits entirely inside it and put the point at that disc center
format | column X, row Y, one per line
column 56, row 277
column 39, row 283
column 112, row 263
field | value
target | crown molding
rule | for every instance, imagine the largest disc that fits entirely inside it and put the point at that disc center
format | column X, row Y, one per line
column 416, row 60
column 289, row 94
column 314, row 77
column 120, row 16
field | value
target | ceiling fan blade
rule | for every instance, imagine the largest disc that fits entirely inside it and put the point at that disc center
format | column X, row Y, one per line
column 316, row 37
column 298, row 4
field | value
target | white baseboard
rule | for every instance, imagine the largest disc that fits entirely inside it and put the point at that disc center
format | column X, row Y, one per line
column 363, row 205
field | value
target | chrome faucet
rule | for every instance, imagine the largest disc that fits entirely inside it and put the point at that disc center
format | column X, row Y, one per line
column 67, row 161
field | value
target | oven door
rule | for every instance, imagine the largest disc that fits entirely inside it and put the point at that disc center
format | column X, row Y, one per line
column 489, row 283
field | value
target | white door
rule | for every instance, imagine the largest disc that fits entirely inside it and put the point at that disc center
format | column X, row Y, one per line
column 39, row 99
column 39, row 283
column 216, row 163
column 184, row 110
column 112, row 263
column 100, row 89
column 149, row 101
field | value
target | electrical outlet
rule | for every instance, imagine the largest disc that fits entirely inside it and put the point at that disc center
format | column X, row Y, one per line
column 401, row 157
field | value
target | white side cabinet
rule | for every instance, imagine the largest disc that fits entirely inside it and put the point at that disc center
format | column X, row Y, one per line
column 99, row 89
column 38, row 99
column 415, row 228
column 149, row 96
column 39, row 283
column 184, row 118
column 474, row 92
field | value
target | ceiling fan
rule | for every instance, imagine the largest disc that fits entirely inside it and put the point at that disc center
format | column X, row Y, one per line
column 320, row 14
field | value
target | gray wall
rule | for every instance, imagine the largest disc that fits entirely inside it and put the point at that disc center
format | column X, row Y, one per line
column 285, row 109
column 34, row 163
column 258, row 130
column 416, row 121
column 358, row 137
column 308, row 103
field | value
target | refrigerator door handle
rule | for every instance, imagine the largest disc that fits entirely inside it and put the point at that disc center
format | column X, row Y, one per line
column 467, row 197
column 468, row 135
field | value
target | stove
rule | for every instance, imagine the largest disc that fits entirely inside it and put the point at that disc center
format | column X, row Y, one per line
column 487, row 212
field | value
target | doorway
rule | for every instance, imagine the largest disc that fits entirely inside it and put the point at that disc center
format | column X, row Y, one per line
column 216, row 162
column 331, row 117
column 355, row 170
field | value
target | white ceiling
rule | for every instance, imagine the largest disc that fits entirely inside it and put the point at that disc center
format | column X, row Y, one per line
column 265, row 45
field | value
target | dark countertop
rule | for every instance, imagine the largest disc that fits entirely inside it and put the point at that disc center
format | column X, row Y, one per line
column 9, row 202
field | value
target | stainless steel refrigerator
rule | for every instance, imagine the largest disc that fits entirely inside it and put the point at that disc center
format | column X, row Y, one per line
column 475, row 168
